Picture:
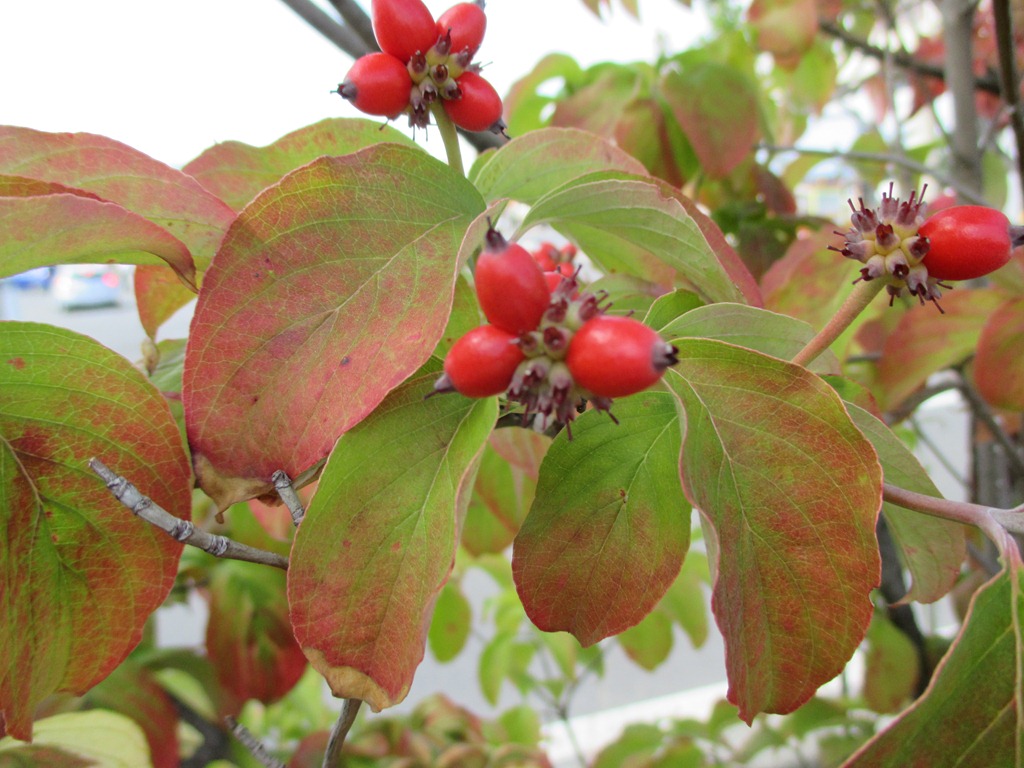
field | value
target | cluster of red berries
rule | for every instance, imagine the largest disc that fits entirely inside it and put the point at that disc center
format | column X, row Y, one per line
column 548, row 346
column 895, row 242
column 424, row 62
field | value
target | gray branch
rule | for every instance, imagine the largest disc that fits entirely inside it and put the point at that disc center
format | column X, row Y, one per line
column 285, row 489
column 184, row 531
column 251, row 743
column 333, row 757
column 339, row 34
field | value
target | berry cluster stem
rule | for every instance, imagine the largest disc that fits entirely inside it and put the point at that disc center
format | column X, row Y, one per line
column 855, row 303
column 450, row 137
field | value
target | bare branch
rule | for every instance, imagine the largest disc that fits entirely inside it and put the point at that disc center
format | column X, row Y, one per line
column 1009, row 78
column 356, row 19
column 340, row 35
column 333, row 757
column 285, row 489
column 900, row 58
column 251, row 743
column 984, row 413
column 958, row 29
column 181, row 530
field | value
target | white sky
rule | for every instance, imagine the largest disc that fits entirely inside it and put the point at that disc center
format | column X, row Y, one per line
column 174, row 78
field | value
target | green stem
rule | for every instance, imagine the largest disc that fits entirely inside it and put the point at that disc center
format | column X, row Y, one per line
column 855, row 303
column 450, row 137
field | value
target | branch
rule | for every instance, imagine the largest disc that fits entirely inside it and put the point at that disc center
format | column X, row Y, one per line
column 181, row 530
column 967, row 194
column 997, row 524
column 1008, row 76
column 333, row 757
column 984, row 413
column 958, row 29
column 251, row 743
column 358, row 21
column 902, row 59
column 340, row 35
column 285, row 489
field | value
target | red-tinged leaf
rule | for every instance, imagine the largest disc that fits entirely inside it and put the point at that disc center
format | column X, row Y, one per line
column 503, row 491
column 158, row 295
column 75, row 227
column 248, row 637
column 80, row 575
column 94, row 738
column 999, row 362
column 809, row 282
column 134, row 692
column 932, row 549
column 609, row 526
column 644, row 227
column 784, row 28
column 237, row 172
column 968, row 714
column 328, row 291
column 777, row 335
column 791, row 490
column 925, row 342
column 891, row 667
column 530, row 166
column 717, row 108
column 650, row 642
column 379, row 538
column 116, row 172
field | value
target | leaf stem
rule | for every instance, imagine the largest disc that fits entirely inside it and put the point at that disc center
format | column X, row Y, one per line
column 997, row 524
column 855, row 303
column 333, row 757
column 450, row 137
column 184, row 531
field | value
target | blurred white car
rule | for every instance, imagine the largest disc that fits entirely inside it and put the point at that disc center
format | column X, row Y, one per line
column 78, row 286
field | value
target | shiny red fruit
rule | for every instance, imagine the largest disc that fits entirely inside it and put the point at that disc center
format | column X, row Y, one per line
column 965, row 242
column 482, row 362
column 614, row 356
column 467, row 23
column 403, row 27
column 377, row 84
column 510, row 286
column 479, row 107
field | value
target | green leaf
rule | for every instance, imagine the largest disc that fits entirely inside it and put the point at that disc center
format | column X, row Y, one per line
column 669, row 307
column 530, row 166
column 91, row 738
column 524, row 104
column 646, row 228
column 332, row 287
column 924, row 343
column 237, row 172
column 891, row 667
column 115, row 172
column 637, row 742
column 932, row 549
column 504, row 658
column 88, row 574
column 791, row 490
column 609, row 527
column 650, row 642
column 969, row 714
column 47, row 224
column 768, row 332
column 685, row 602
column 998, row 364
column 378, row 541
column 452, row 621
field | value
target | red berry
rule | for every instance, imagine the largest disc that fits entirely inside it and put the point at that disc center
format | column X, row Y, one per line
column 547, row 256
column 510, row 286
column 482, row 362
column 479, row 107
column 614, row 356
column 965, row 242
column 377, row 84
column 403, row 27
column 467, row 23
